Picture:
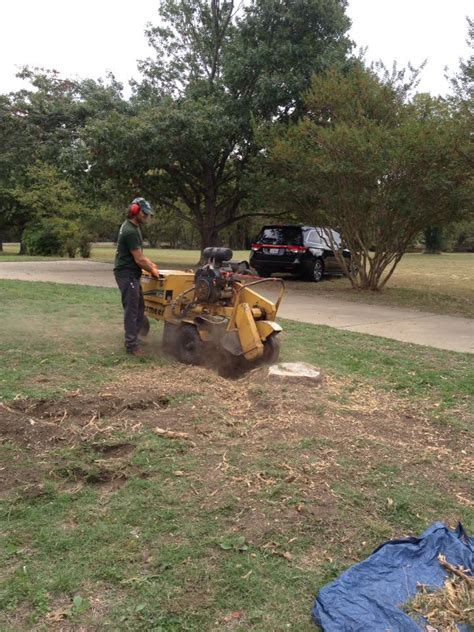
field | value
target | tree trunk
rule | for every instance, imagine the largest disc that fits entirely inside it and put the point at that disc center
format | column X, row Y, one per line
column 22, row 250
column 208, row 231
column 433, row 240
column 209, row 237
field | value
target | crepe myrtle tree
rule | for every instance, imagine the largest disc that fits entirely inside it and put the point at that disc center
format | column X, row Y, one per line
column 372, row 165
column 217, row 67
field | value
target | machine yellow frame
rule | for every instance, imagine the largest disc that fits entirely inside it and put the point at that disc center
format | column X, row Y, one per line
column 241, row 325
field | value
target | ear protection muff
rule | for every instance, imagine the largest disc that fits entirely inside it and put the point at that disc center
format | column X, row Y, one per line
column 134, row 209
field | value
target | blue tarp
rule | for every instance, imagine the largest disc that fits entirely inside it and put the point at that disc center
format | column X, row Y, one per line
column 369, row 596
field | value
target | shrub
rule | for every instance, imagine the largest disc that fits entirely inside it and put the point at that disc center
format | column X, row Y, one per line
column 52, row 236
column 461, row 237
column 85, row 245
column 434, row 240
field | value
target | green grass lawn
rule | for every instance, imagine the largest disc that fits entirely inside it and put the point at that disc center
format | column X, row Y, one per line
column 442, row 284
column 271, row 491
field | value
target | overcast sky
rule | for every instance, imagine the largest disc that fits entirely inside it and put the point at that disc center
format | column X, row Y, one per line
column 89, row 37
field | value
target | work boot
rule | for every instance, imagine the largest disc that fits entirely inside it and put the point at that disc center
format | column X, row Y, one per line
column 138, row 353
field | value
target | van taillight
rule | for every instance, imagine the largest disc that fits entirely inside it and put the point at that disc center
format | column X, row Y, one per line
column 256, row 247
column 296, row 250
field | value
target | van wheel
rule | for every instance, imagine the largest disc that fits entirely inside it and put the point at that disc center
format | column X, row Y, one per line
column 316, row 271
column 353, row 269
column 263, row 272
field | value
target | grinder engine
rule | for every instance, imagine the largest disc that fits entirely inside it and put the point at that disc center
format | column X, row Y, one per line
column 213, row 280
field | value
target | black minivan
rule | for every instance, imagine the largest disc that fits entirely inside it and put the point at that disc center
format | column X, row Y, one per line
column 301, row 250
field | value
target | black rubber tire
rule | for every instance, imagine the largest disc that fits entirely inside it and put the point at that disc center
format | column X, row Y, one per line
column 190, row 347
column 271, row 349
column 353, row 269
column 145, row 328
column 316, row 271
column 263, row 272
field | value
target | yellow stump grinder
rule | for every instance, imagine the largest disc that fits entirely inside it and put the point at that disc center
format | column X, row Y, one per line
column 214, row 314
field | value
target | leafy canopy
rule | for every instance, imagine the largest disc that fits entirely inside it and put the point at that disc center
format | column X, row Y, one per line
column 372, row 165
column 188, row 137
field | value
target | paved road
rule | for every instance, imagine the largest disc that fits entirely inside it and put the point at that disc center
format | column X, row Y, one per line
column 407, row 325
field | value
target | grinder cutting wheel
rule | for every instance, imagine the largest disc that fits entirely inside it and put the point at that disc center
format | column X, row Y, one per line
column 215, row 311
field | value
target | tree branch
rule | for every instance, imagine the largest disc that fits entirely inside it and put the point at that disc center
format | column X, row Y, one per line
column 231, row 220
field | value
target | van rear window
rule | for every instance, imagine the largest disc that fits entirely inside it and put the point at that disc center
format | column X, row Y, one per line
column 281, row 236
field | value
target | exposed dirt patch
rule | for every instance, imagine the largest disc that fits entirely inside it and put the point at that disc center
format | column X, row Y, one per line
column 114, row 451
column 250, row 436
column 36, row 426
column 38, row 422
column 18, row 426
column 82, row 406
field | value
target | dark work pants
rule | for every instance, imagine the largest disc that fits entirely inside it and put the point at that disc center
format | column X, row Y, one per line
column 133, row 308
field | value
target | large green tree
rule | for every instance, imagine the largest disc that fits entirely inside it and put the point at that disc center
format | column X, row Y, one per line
column 463, row 82
column 462, row 106
column 372, row 165
column 188, row 135
column 40, row 128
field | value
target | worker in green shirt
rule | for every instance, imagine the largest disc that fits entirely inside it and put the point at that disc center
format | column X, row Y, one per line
column 129, row 263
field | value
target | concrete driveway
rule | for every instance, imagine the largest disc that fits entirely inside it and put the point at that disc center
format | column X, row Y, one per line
column 407, row 325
